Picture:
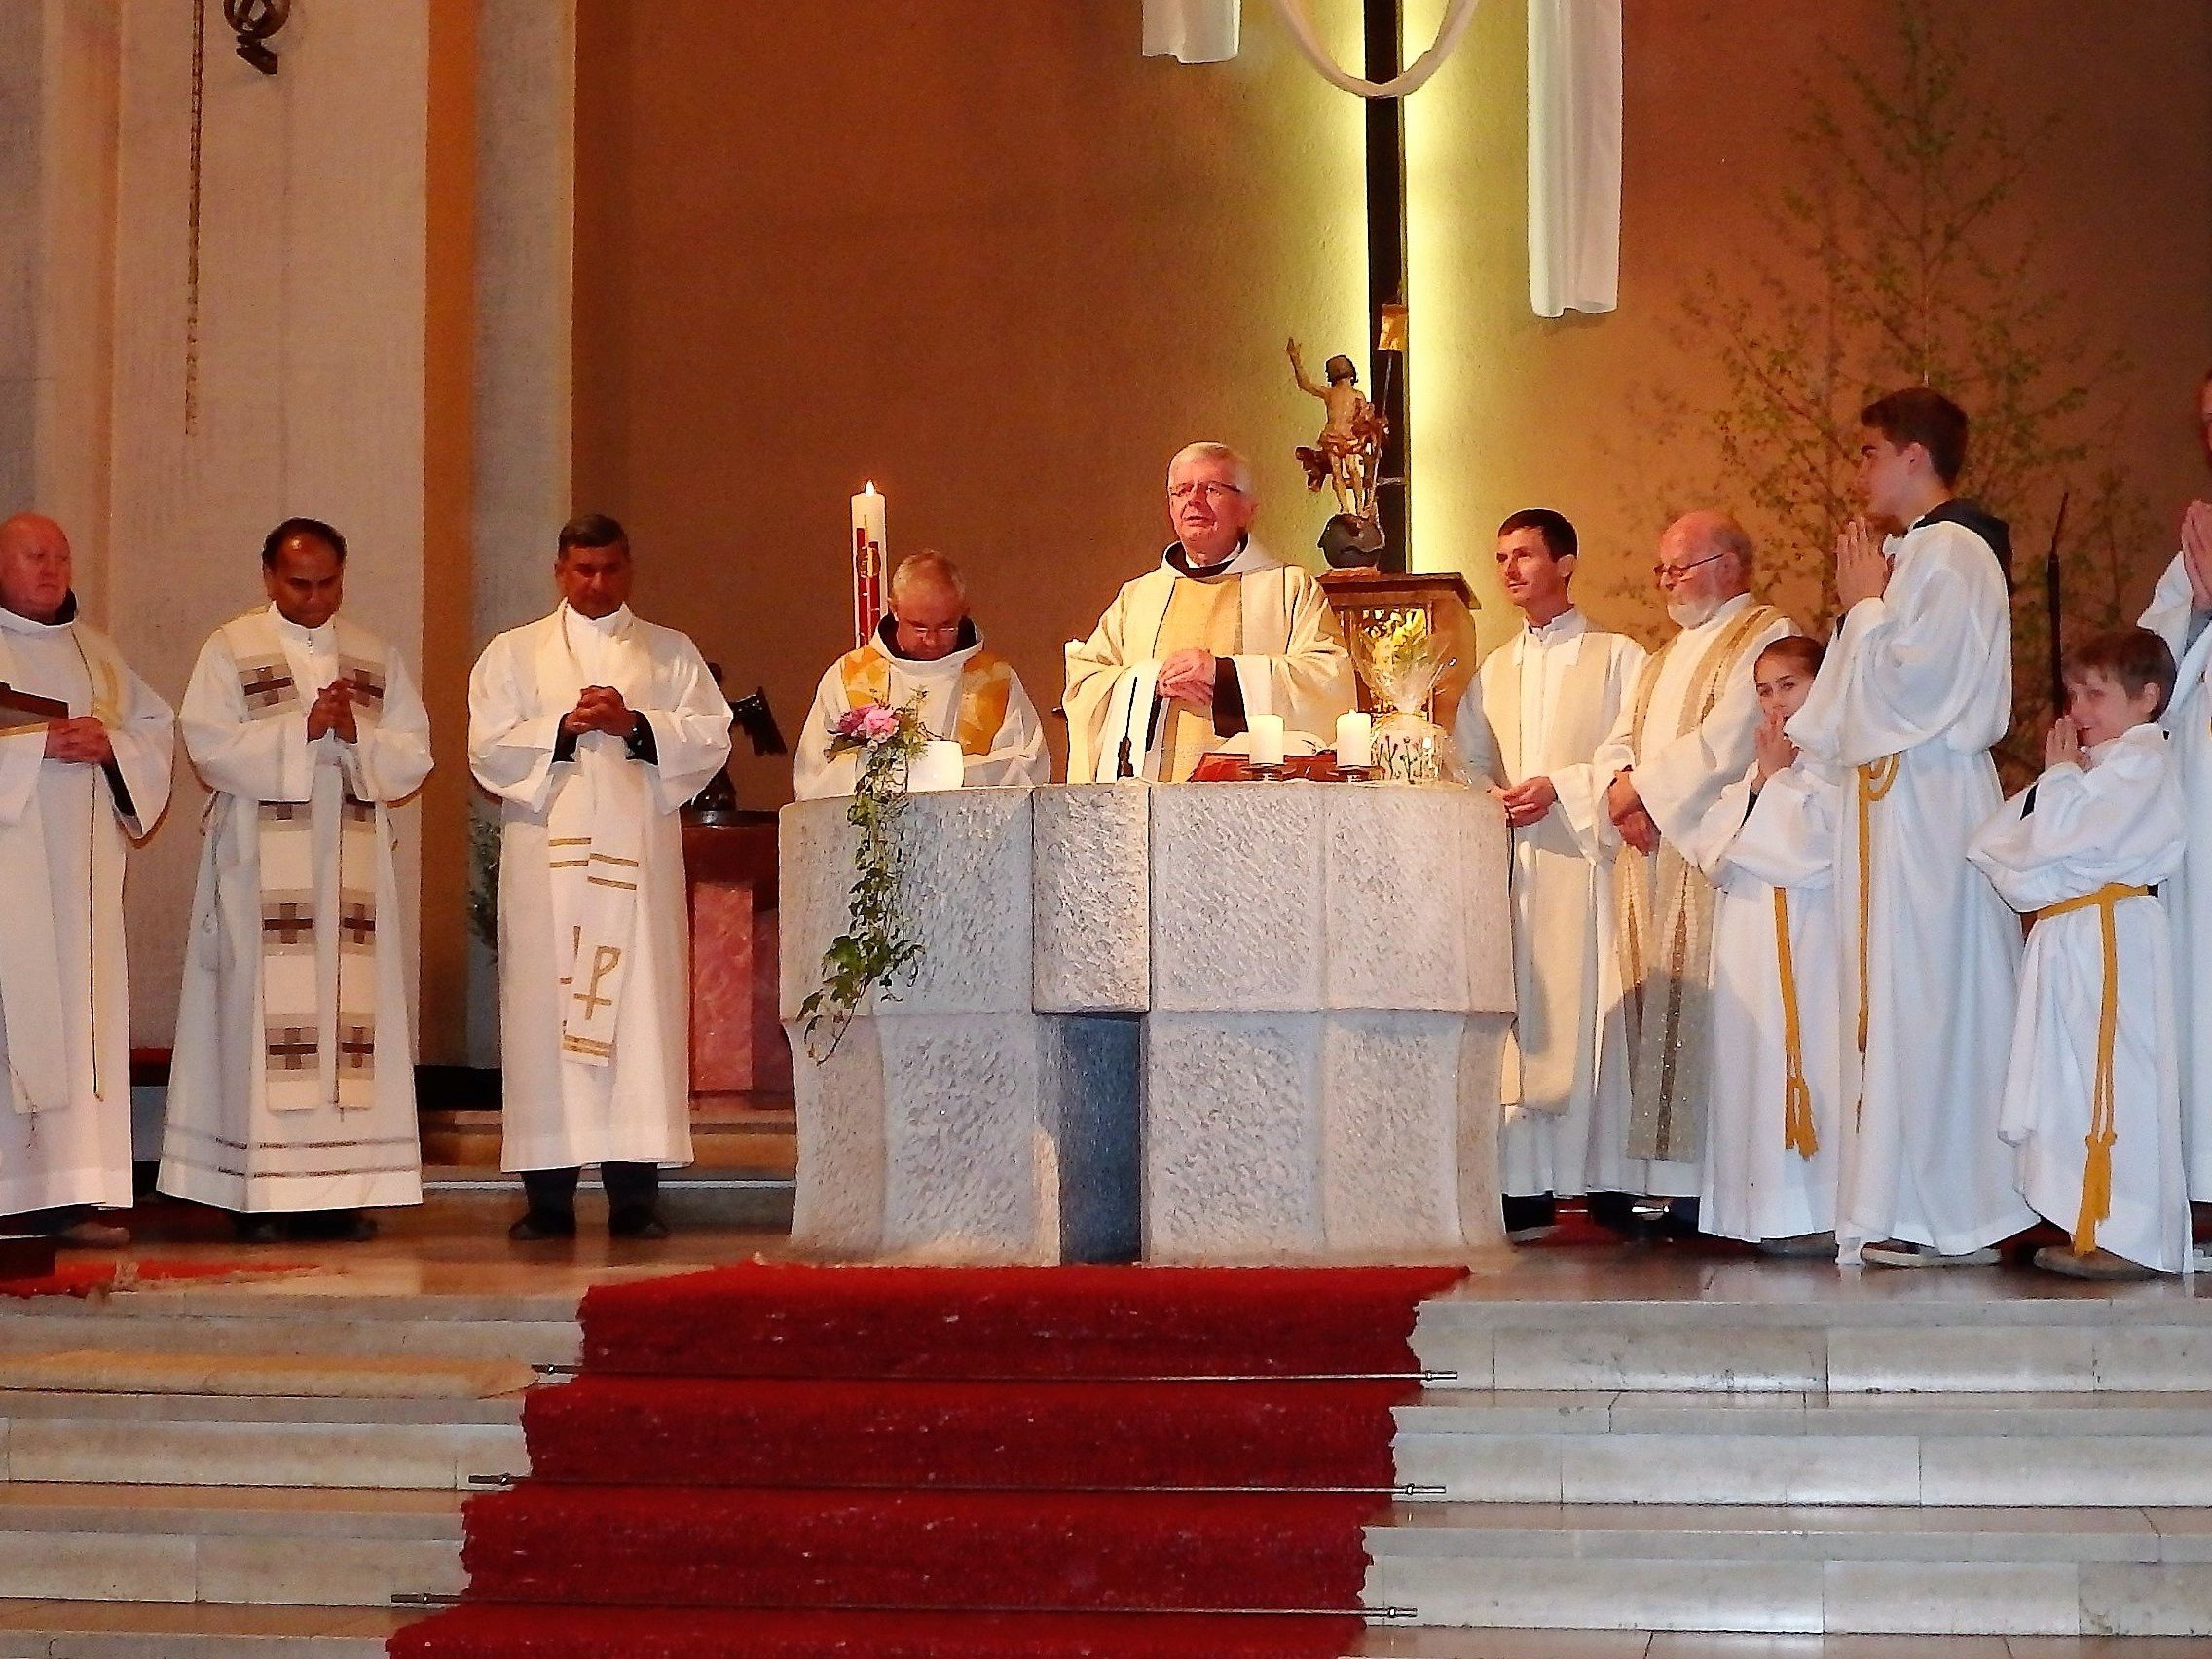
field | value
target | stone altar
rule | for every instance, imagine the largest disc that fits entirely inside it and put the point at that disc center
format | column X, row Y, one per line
column 1219, row 1022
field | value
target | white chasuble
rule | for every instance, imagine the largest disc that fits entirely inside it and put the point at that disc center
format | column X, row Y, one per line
column 594, row 941
column 2188, row 894
column 293, row 1082
column 1287, row 656
column 970, row 696
column 1686, row 732
column 2094, row 1109
column 1916, row 687
column 1775, row 1136
column 1540, row 707
column 64, row 991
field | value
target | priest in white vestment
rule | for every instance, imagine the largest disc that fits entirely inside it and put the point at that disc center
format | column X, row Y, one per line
column 1916, row 687
column 2092, row 1098
column 85, row 750
column 2181, row 615
column 928, row 649
column 291, row 1099
column 593, row 727
column 1685, row 733
column 1530, row 722
column 1774, row 1135
column 1189, row 652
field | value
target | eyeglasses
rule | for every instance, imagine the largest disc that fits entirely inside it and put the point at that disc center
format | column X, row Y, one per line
column 1667, row 576
column 1204, row 488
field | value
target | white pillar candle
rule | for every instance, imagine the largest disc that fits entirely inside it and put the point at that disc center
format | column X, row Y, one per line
column 1266, row 739
column 1355, row 739
column 939, row 766
column 868, row 541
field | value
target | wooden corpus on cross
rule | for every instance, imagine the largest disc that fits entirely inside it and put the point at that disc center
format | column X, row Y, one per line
column 1384, row 30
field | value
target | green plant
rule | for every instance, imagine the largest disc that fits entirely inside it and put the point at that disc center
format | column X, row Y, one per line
column 484, row 880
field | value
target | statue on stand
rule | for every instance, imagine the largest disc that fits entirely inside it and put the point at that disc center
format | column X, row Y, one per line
column 1348, row 456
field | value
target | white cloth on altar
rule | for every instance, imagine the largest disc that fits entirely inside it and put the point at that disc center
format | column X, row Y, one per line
column 1015, row 753
column 556, row 1112
column 1575, row 156
column 65, row 1022
column 1679, row 774
column 1293, row 664
column 222, row 1145
column 2187, row 896
column 1539, row 707
column 1752, row 1184
column 2119, row 821
column 1925, row 673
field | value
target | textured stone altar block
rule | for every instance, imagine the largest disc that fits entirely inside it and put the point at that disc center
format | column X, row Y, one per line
column 971, row 1168
column 1232, row 1137
column 1092, row 929
column 1236, row 896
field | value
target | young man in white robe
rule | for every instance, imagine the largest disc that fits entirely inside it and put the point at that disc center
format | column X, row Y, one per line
column 85, row 750
column 2092, row 1098
column 593, row 727
column 1774, row 1135
column 1189, row 652
column 928, row 647
column 1914, row 690
column 2181, row 615
column 1685, row 733
column 291, row 1099
column 1530, row 722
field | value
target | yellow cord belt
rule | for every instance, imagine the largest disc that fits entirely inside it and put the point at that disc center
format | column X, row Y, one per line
column 1876, row 779
column 2096, row 1175
column 1797, row 1134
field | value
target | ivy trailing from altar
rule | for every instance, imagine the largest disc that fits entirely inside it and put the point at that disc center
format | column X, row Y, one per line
column 876, row 951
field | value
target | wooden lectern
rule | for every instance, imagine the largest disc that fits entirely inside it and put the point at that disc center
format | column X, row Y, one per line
column 1376, row 598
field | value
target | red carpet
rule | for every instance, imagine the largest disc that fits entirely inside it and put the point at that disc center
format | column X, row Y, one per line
column 784, row 1463
column 83, row 1278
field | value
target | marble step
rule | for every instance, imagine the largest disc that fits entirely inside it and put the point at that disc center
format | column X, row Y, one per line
column 1398, row 1643
column 536, row 1329
column 1589, row 1446
column 201, row 1630
column 309, row 1547
column 234, row 1441
column 1919, row 1572
column 701, row 1196
column 1875, row 1338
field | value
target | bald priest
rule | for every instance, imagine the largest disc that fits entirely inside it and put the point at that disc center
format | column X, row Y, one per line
column 928, row 647
column 1190, row 651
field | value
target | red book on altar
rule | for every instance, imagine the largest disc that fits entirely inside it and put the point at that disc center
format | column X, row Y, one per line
column 19, row 710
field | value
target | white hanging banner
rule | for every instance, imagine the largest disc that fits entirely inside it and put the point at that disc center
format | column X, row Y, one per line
column 1458, row 14
column 1190, row 31
column 1575, row 156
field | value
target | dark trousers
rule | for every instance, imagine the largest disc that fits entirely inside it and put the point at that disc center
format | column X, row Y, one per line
column 629, row 1187
column 46, row 1223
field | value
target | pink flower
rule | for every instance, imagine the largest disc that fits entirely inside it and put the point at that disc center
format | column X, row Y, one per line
column 849, row 723
column 877, row 722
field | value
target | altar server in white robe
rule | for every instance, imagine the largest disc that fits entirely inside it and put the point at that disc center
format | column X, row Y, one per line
column 1530, row 722
column 74, row 787
column 593, row 727
column 1685, row 733
column 1774, row 1135
column 2181, row 615
column 1916, row 687
column 2092, row 1099
column 928, row 647
column 1187, row 653
column 291, row 1098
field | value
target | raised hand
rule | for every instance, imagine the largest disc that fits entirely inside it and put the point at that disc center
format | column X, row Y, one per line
column 1772, row 747
column 2063, row 747
column 1862, row 570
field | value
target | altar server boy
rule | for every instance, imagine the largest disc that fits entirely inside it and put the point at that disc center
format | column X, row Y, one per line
column 1773, row 1140
column 2092, row 1100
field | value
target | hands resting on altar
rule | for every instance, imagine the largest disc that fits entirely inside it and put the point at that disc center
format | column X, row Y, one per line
column 1186, row 677
column 1625, row 807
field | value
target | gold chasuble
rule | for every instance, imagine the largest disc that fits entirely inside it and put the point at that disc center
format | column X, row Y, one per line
column 1664, row 906
column 1207, row 613
column 985, row 689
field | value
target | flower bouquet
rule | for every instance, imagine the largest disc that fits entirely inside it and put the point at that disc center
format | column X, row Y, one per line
column 875, row 951
column 1400, row 661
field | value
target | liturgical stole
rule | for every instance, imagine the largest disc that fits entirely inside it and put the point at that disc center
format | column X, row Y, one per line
column 1665, row 909
column 298, row 1072
column 980, row 700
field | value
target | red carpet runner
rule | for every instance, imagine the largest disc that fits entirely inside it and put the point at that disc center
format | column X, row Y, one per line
column 799, row 1462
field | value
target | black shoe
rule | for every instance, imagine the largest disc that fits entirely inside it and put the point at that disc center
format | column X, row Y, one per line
column 258, row 1229
column 637, row 1223
column 358, row 1231
column 1615, row 1212
column 1530, row 1218
column 537, row 1226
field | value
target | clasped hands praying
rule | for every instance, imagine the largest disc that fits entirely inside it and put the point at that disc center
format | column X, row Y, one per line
column 600, row 708
column 81, row 740
column 332, row 710
column 1186, row 677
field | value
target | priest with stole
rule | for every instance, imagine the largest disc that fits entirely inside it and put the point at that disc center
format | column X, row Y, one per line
column 1188, row 652
column 85, row 750
column 292, row 1094
column 927, row 647
column 1687, row 732
column 593, row 727
column 1531, row 722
